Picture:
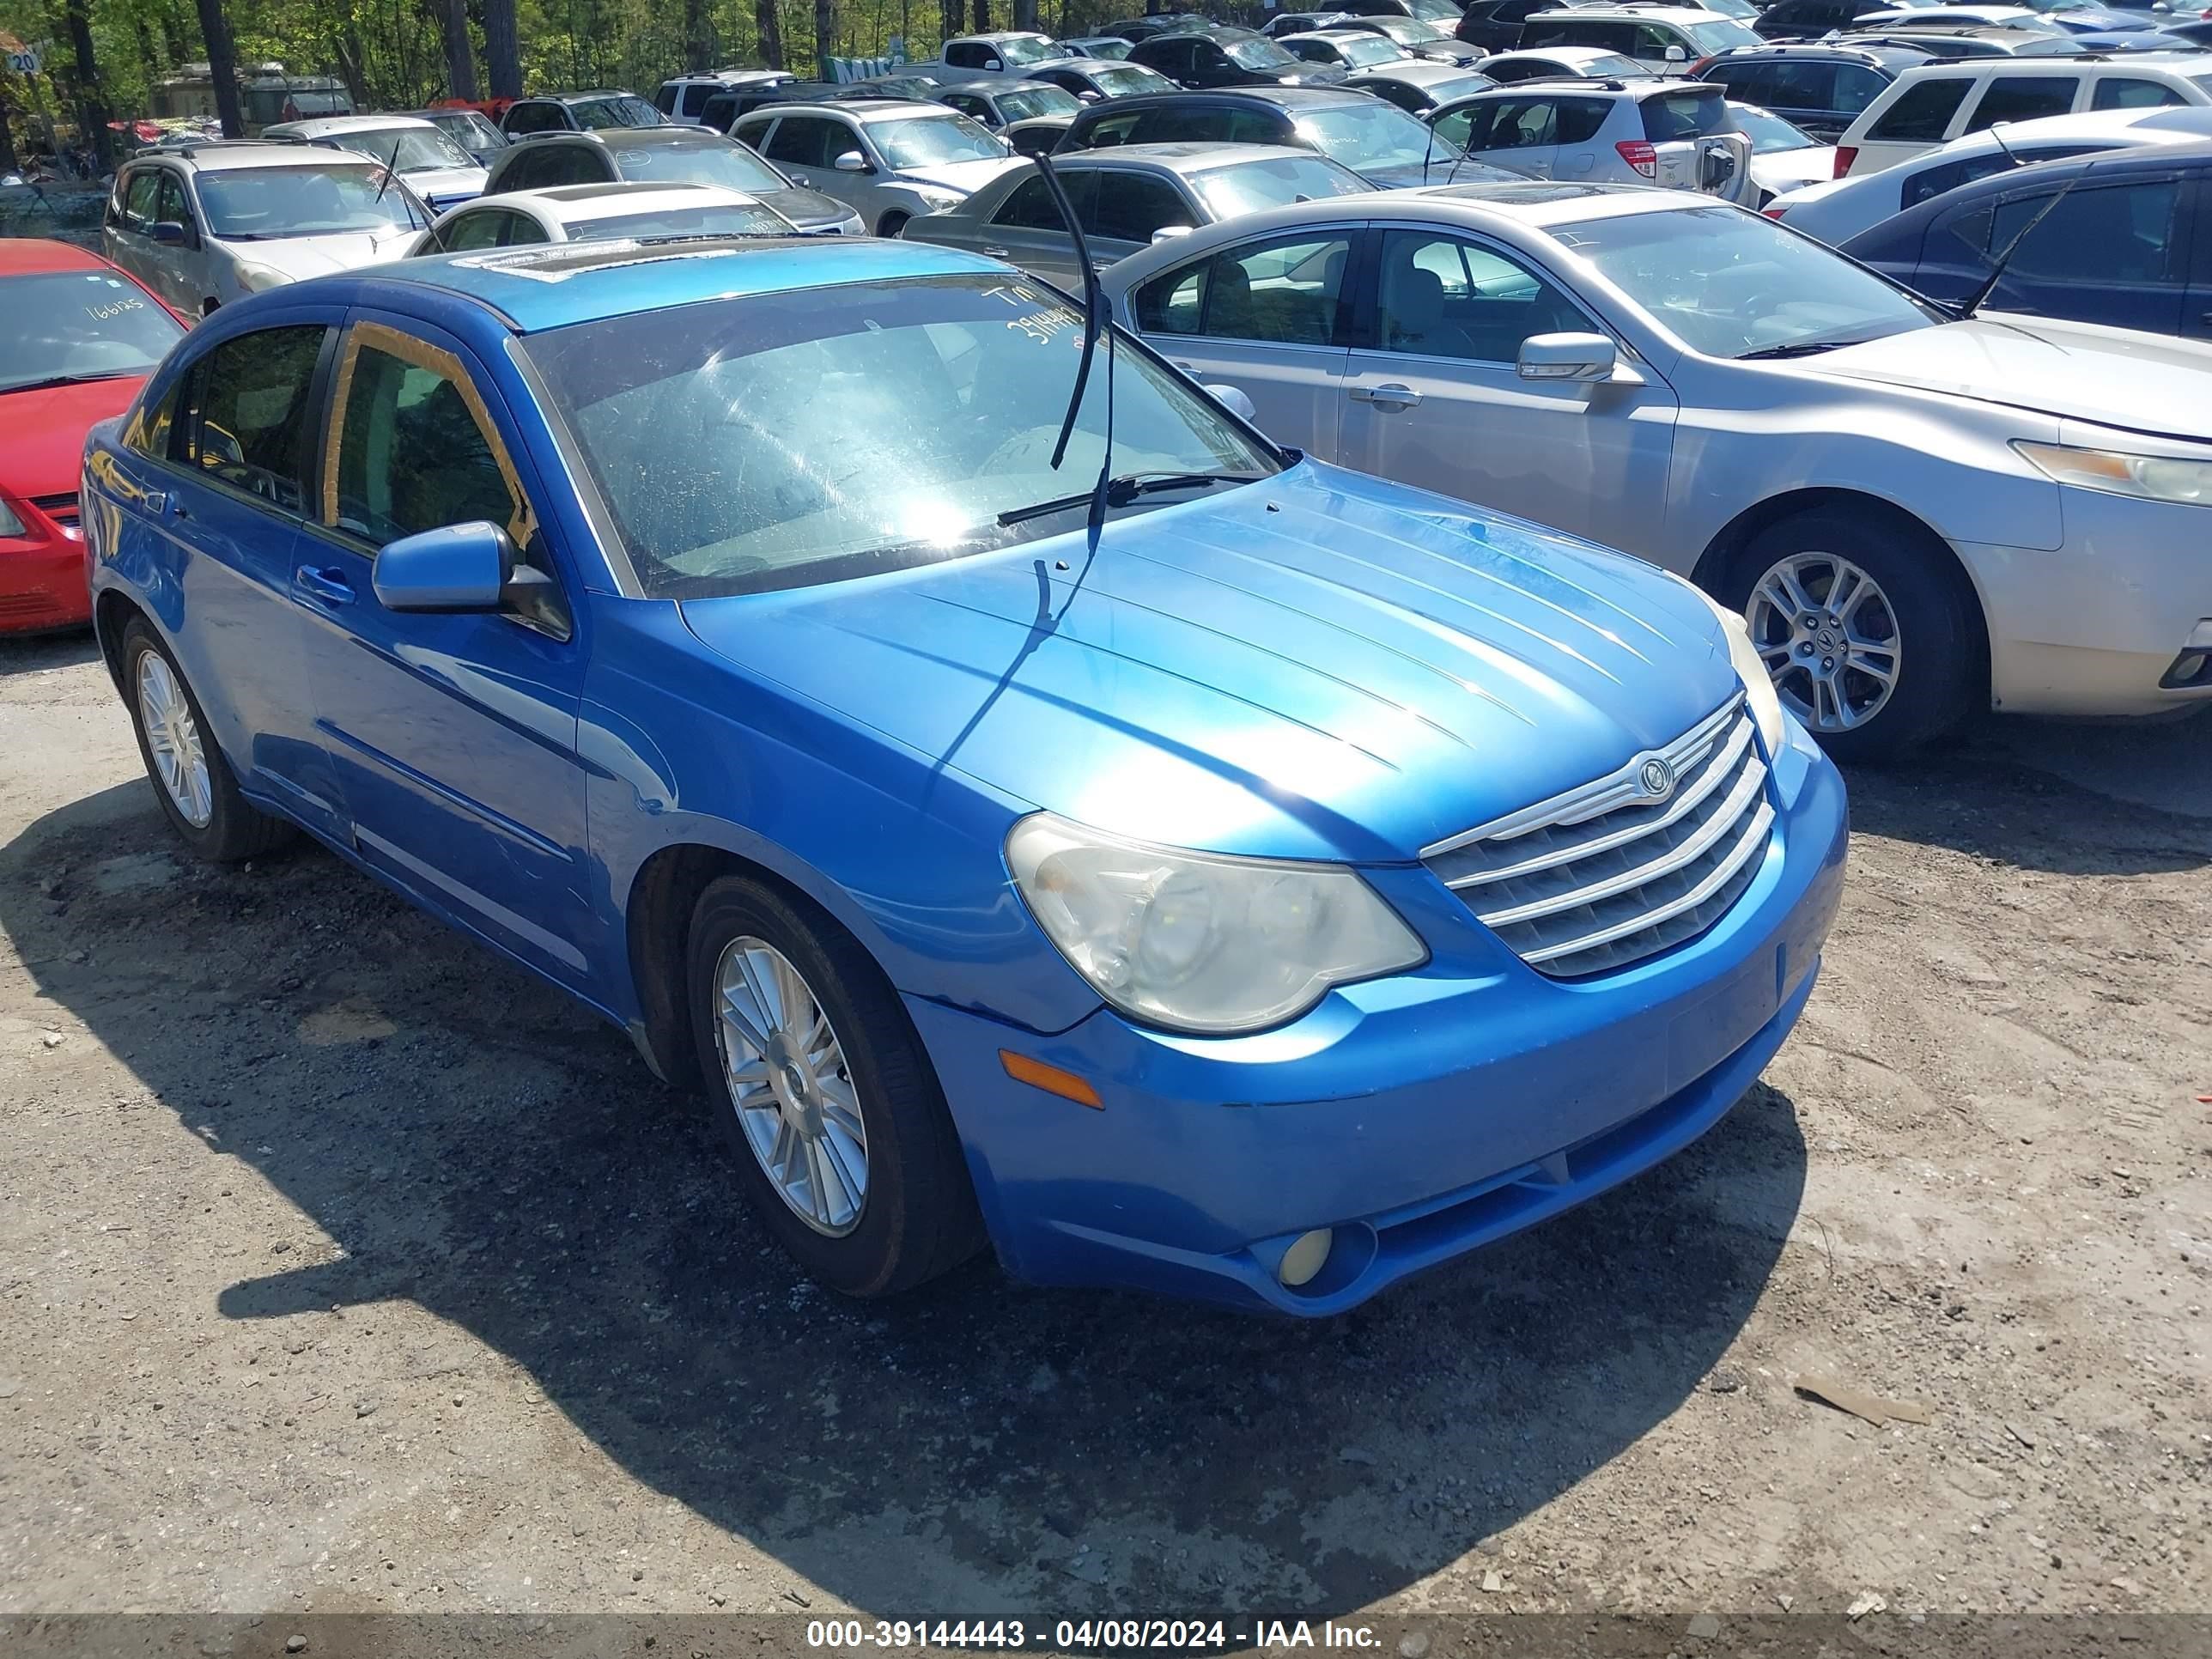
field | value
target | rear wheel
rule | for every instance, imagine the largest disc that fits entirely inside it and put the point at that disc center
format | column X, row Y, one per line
column 1865, row 627
column 842, row 1141
column 197, row 791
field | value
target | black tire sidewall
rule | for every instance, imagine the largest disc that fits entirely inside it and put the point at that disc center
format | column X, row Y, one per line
column 892, row 223
column 1937, row 644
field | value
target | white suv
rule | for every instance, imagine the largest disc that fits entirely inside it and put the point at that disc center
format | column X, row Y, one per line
column 204, row 224
column 1678, row 135
column 1665, row 39
column 1937, row 102
column 684, row 99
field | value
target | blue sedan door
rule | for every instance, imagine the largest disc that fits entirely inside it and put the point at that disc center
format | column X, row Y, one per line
column 455, row 735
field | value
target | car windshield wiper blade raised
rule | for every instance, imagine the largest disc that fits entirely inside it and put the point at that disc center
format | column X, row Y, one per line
column 1124, row 487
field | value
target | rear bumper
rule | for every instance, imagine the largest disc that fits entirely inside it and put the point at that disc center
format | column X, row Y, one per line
column 1419, row 1117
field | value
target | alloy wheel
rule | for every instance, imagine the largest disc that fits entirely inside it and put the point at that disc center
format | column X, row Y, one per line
column 1829, row 637
column 173, row 737
column 790, row 1087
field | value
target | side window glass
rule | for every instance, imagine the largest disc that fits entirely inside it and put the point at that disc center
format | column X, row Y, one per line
column 1469, row 127
column 802, row 141
column 249, row 425
column 170, row 208
column 1174, row 303
column 1922, row 111
column 1250, row 127
column 474, row 230
column 416, row 447
column 1578, row 120
column 2098, row 237
column 145, row 191
column 1131, row 207
column 1523, row 124
column 1115, row 130
column 1281, row 293
column 695, row 98
column 522, row 231
column 2022, row 98
column 1855, row 87
column 1441, row 297
column 152, row 428
column 963, row 55
column 664, row 99
column 2124, row 92
column 1029, row 207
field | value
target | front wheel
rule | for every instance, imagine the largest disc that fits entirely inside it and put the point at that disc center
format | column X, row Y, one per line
column 841, row 1139
column 198, row 793
column 1865, row 627
column 892, row 223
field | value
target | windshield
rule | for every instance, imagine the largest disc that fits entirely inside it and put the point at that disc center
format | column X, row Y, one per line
column 1255, row 51
column 933, row 140
column 1039, row 100
column 1028, row 49
column 268, row 204
column 1730, row 284
column 420, row 149
column 1720, row 34
column 1372, row 135
column 1404, row 30
column 1436, row 11
column 728, row 164
column 79, row 325
column 1248, row 186
column 723, row 219
column 597, row 113
column 1738, row 10
column 1361, row 49
column 1608, row 65
column 472, row 131
column 1769, row 133
column 1127, row 80
column 834, row 432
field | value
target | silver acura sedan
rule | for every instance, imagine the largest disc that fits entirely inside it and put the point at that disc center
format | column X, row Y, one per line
column 1916, row 513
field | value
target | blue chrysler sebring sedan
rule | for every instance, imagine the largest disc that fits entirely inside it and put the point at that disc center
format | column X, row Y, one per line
column 1303, row 882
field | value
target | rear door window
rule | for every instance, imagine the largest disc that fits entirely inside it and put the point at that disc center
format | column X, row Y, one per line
column 1856, row 86
column 2108, row 234
column 695, row 97
column 534, row 117
column 1922, row 110
column 2128, row 92
column 2022, row 98
column 247, row 424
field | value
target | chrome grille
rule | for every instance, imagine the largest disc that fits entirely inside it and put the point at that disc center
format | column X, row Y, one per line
column 1607, row 874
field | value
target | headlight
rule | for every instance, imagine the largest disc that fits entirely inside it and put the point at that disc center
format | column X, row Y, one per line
column 1200, row 941
column 10, row 524
column 254, row 278
column 1743, row 657
column 938, row 200
column 2150, row 478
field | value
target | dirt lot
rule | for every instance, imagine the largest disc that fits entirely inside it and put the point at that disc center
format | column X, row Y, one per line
column 342, row 1267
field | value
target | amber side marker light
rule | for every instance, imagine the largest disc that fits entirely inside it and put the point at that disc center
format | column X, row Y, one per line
column 1050, row 1078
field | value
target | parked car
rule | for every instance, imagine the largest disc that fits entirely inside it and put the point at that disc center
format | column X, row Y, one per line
column 1228, row 58
column 81, row 337
column 1094, row 80
column 1819, row 88
column 724, row 110
column 684, row 99
column 598, row 213
column 1422, row 39
column 1814, row 20
column 1665, row 39
column 1030, row 115
column 577, row 112
column 1965, row 40
column 1954, row 17
column 962, row 885
column 1134, row 29
column 1930, row 105
column 1676, row 134
column 1926, row 515
column 1418, row 89
column 469, row 128
column 1344, row 48
column 1128, row 197
column 1837, row 212
column 669, row 155
column 887, row 162
column 1493, row 26
column 1009, row 53
column 1561, row 64
column 1095, row 45
column 1440, row 15
column 436, row 169
column 204, row 224
column 2115, row 248
column 1300, row 22
column 1379, row 142
column 1783, row 158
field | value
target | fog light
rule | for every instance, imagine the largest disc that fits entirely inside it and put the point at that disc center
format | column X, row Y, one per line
column 2190, row 667
column 1308, row 1255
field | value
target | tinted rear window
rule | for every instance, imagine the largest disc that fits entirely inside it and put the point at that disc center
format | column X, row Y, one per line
column 1922, row 111
column 1675, row 115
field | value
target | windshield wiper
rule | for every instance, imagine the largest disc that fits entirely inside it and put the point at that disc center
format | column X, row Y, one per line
column 1124, row 487
column 1797, row 348
column 53, row 380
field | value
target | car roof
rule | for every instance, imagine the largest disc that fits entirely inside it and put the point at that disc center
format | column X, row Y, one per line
column 553, row 286
column 1637, row 13
column 1420, row 71
column 1284, row 97
column 576, row 97
column 863, row 110
column 2180, row 61
column 998, row 83
column 576, row 204
column 1543, row 203
column 33, row 256
column 1880, row 51
column 1187, row 157
column 323, row 126
column 628, row 137
column 1331, row 35
column 227, row 157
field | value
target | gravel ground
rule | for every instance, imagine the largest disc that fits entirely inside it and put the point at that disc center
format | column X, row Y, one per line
column 343, row 1268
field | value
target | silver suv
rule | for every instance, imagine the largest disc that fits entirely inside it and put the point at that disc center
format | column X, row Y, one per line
column 1678, row 135
column 204, row 224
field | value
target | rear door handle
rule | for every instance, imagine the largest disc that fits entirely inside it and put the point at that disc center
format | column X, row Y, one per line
column 329, row 587
column 1391, row 395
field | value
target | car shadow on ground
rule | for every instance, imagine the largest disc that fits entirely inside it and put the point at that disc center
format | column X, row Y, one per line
column 475, row 1143
column 34, row 654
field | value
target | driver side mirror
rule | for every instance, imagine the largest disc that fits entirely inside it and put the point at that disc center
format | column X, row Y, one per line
column 1090, row 97
column 851, row 161
column 169, row 234
column 1676, row 55
column 1233, row 399
column 460, row 567
column 1585, row 357
column 1169, row 233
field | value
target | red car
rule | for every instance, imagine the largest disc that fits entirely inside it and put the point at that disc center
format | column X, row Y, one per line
column 79, row 339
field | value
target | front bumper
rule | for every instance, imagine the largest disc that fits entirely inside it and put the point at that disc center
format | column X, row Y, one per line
column 2092, row 626
column 42, row 582
column 1419, row 1116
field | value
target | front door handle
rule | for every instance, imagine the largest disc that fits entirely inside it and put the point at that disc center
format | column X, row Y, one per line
column 1392, row 395
column 997, row 253
column 329, row 587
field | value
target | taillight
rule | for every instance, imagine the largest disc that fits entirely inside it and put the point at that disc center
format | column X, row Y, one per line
column 1771, row 212
column 1640, row 155
column 1845, row 155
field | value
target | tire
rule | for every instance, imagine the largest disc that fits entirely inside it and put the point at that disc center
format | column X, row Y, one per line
column 915, row 1216
column 203, row 805
column 1919, row 620
column 891, row 224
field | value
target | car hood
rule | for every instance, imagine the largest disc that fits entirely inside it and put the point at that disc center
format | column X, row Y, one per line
column 2115, row 377
column 446, row 185
column 1321, row 665
column 966, row 177
column 1443, row 169
column 810, row 210
column 42, row 433
column 302, row 257
column 1783, row 170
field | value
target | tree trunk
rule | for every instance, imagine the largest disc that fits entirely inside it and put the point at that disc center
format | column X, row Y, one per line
column 954, row 23
column 982, row 17
column 222, row 64
column 825, row 36
column 8, row 162
column 1025, row 15
column 502, row 49
column 771, row 32
column 91, row 109
column 698, row 42
column 460, row 56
